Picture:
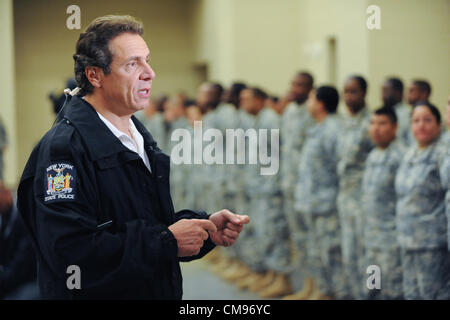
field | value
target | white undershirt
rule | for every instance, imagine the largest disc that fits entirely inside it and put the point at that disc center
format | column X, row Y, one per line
column 136, row 144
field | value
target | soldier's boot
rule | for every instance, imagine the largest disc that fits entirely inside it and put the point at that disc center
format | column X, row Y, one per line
column 304, row 293
column 213, row 257
column 247, row 282
column 230, row 269
column 317, row 295
column 239, row 272
column 264, row 282
column 279, row 287
column 224, row 263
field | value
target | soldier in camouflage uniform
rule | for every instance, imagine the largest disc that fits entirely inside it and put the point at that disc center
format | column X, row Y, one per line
column 3, row 144
column 421, row 220
column 295, row 122
column 316, row 192
column 379, row 203
column 392, row 94
column 354, row 146
column 445, row 169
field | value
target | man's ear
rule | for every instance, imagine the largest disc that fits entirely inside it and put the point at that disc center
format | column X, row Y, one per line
column 95, row 76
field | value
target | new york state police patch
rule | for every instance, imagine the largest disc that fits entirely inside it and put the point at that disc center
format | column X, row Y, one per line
column 60, row 182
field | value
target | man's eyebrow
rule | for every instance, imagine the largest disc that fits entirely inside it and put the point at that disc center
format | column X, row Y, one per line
column 137, row 58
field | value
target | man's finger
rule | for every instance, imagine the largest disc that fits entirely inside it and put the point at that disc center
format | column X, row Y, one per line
column 244, row 219
column 206, row 224
column 230, row 233
column 234, row 227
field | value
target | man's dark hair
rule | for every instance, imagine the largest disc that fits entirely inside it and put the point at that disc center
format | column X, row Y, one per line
column 92, row 46
column 237, row 87
column 218, row 89
column 423, row 85
column 259, row 93
column 329, row 96
column 433, row 109
column 361, row 82
column 396, row 84
column 308, row 76
column 387, row 111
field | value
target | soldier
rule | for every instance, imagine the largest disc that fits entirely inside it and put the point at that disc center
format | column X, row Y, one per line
column 421, row 220
column 354, row 146
column 316, row 192
column 419, row 90
column 445, row 169
column 392, row 93
column 379, row 202
column 295, row 121
column 153, row 120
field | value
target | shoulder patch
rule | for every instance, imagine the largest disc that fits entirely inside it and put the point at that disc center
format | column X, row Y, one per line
column 60, row 181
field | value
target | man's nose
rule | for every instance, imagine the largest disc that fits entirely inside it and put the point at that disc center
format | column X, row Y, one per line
column 147, row 73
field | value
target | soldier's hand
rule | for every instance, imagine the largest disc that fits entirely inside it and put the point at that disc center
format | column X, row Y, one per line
column 229, row 225
column 190, row 235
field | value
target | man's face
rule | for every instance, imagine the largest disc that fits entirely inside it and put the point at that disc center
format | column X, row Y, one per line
column 204, row 96
column 389, row 95
column 382, row 130
column 127, row 88
column 247, row 100
column 415, row 94
column 424, row 125
column 300, row 88
column 353, row 95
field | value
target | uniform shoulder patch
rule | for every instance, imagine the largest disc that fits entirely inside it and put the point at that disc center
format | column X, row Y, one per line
column 60, row 181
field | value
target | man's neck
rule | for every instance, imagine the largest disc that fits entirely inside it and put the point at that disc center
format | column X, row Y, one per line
column 121, row 122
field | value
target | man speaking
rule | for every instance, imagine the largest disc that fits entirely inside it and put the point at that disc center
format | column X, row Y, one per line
column 95, row 192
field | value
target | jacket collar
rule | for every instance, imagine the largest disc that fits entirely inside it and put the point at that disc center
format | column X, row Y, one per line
column 100, row 141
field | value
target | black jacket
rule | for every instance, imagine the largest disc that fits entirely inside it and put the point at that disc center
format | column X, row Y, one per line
column 89, row 201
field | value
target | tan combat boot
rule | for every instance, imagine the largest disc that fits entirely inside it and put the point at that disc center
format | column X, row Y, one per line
column 303, row 294
column 279, row 287
column 247, row 282
column 264, row 282
column 238, row 272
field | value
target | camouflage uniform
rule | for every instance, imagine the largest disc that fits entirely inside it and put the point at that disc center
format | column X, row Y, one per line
column 422, row 225
column 379, row 203
column 295, row 122
column 445, row 176
column 177, row 172
column 403, row 113
column 354, row 145
column 155, row 125
column 315, row 201
column 3, row 144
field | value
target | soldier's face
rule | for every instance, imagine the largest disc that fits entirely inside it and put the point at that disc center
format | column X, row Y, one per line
column 413, row 94
column 247, row 100
column 353, row 95
column 424, row 125
column 300, row 88
column 127, row 88
column 382, row 130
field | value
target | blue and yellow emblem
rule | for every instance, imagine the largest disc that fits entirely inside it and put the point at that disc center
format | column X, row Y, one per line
column 60, row 182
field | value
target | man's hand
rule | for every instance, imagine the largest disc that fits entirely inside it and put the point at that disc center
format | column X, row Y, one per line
column 190, row 234
column 229, row 225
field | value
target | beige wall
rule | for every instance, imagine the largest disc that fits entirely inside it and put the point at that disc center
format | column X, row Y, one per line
column 7, row 83
column 261, row 42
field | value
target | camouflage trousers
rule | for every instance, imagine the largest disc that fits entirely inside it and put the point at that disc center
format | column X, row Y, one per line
column 324, row 254
column 426, row 274
column 266, row 245
column 389, row 261
column 353, row 257
column 298, row 226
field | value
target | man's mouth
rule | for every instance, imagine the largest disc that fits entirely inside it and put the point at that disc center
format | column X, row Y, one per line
column 144, row 93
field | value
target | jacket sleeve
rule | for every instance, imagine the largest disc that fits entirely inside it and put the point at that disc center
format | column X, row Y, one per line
column 208, row 245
